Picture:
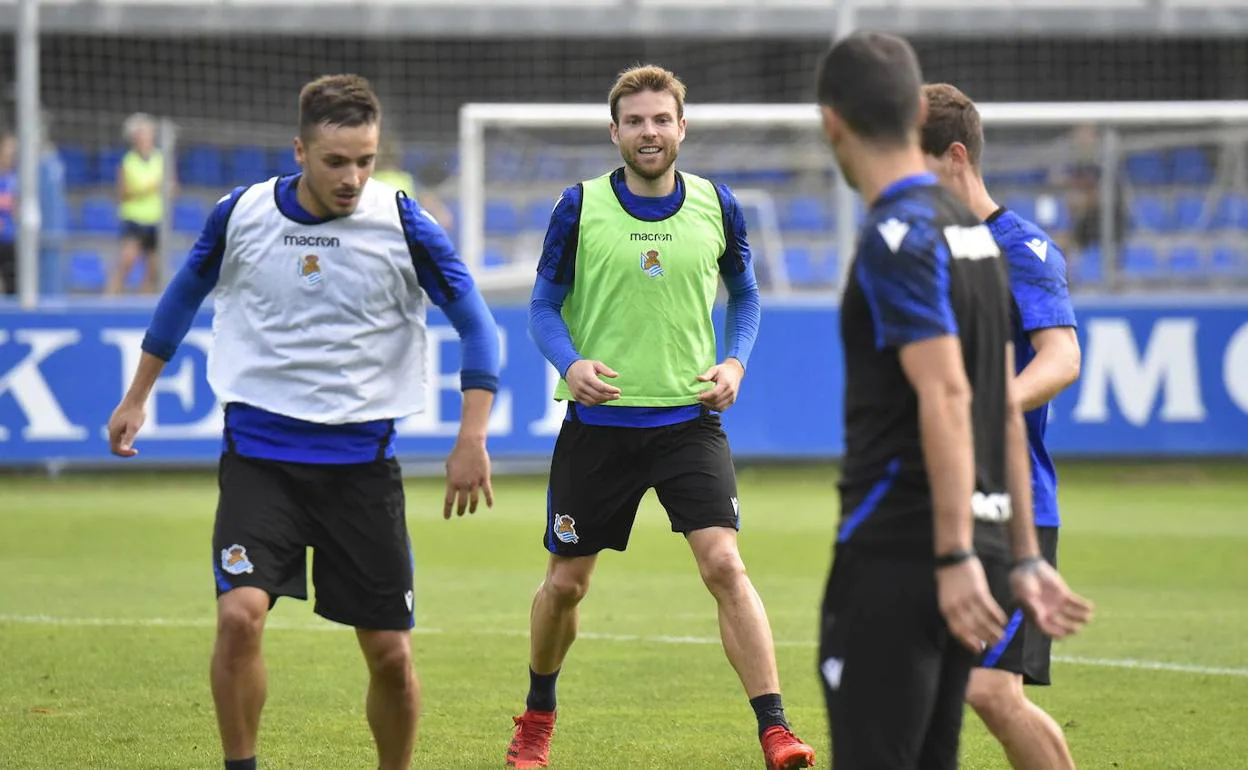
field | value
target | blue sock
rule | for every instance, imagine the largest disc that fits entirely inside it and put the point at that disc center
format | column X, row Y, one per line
column 240, row 764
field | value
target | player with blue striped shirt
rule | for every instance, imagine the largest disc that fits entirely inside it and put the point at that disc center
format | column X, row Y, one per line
column 322, row 281
column 1047, row 359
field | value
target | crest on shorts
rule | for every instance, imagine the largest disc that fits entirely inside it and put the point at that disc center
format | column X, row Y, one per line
column 310, row 269
column 565, row 529
column 650, row 263
column 234, row 560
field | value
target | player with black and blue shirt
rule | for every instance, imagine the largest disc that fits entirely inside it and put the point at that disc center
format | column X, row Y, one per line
column 1047, row 358
column 322, row 284
column 935, row 486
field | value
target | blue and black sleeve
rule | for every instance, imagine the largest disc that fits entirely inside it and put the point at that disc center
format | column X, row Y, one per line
column 175, row 312
column 556, row 271
column 903, row 269
column 445, row 278
column 744, row 312
column 1038, row 283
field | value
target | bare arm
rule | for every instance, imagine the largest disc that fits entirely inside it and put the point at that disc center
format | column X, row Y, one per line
column 1053, row 369
column 475, row 416
column 935, row 370
column 130, row 414
column 1018, row 471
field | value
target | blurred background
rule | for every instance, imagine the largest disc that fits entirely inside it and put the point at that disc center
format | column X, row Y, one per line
column 1121, row 126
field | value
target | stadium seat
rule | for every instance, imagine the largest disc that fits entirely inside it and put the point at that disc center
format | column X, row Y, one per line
column 806, row 213
column 494, row 256
column 1187, row 260
column 202, row 166
column 1151, row 212
column 249, row 165
column 1147, row 168
column 550, row 166
column 98, row 214
column 77, row 166
column 282, row 161
column 1189, row 209
column 798, row 264
column 1139, row 260
column 537, row 215
column 504, row 165
column 1191, row 166
column 1023, row 205
column 106, row 162
column 1226, row 260
column 189, row 215
column 827, row 265
column 501, row 218
column 1089, row 268
column 86, row 272
column 1231, row 213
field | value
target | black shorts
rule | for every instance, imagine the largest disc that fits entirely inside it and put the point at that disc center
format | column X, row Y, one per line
column 352, row 517
column 1025, row 650
column 148, row 236
column 894, row 678
column 599, row 474
column 8, row 266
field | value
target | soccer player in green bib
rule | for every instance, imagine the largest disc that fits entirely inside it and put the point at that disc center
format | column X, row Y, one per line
column 622, row 309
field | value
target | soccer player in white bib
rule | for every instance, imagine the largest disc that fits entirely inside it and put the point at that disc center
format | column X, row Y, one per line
column 322, row 282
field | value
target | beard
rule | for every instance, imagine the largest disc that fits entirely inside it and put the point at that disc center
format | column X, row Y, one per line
column 649, row 173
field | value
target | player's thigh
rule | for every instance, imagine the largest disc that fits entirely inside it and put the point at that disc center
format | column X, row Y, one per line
column 944, row 727
column 692, row 471
column 596, row 484
column 880, row 659
column 260, row 535
column 362, row 566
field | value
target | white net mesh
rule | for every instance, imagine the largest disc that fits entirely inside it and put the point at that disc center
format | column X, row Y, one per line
column 230, row 105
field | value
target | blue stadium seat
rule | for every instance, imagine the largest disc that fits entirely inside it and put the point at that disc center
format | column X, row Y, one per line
column 494, row 256
column 1226, row 260
column 86, row 272
column 550, row 166
column 98, row 215
column 806, row 213
column 537, row 215
column 1231, row 213
column 1186, row 259
column 1147, row 168
column 77, row 166
column 106, row 162
column 1139, row 260
column 1089, row 268
column 827, row 265
column 798, row 264
column 1188, row 210
column 504, row 165
column 1151, row 212
column 1023, row 205
column 501, row 218
column 201, row 166
column 1191, row 166
column 189, row 215
column 282, row 161
column 249, row 165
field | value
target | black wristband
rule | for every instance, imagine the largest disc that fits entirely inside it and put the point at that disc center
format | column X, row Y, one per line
column 954, row 557
column 1028, row 562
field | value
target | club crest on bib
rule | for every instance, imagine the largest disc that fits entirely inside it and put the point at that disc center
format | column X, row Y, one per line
column 310, row 269
column 650, row 263
column 565, row 529
column 234, row 560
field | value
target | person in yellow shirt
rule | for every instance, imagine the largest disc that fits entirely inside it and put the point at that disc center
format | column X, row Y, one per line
column 389, row 169
column 140, row 203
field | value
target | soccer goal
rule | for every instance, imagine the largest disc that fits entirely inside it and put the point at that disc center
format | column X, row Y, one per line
column 1134, row 191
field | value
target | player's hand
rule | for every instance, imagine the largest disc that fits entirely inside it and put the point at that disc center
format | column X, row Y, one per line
column 467, row 478
column 727, row 378
column 973, row 616
column 1058, row 611
column 583, row 378
column 123, row 426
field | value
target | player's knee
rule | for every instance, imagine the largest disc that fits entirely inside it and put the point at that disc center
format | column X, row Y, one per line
column 722, row 569
column 995, row 695
column 566, row 587
column 390, row 661
column 240, row 625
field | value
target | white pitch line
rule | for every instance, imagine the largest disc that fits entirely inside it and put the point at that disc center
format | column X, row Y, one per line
column 51, row 620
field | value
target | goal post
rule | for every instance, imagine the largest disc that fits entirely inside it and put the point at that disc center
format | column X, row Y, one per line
column 1031, row 145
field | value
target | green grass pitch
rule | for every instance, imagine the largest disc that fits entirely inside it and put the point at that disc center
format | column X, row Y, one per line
column 106, row 611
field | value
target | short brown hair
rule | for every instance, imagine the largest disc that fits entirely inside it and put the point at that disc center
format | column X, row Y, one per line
column 337, row 100
column 646, row 77
column 951, row 117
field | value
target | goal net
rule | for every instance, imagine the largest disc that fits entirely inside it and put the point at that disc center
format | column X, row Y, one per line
column 1139, row 194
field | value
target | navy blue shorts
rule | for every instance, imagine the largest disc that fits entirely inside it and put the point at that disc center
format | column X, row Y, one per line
column 148, row 236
